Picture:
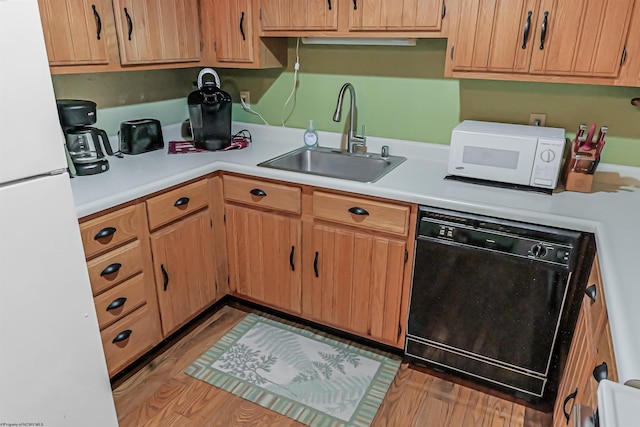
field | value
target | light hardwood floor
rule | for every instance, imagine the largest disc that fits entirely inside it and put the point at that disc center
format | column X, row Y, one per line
column 161, row 394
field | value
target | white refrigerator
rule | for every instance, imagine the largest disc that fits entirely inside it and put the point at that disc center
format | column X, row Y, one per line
column 52, row 366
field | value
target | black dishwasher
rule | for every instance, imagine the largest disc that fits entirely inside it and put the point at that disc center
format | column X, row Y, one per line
column 492, row 299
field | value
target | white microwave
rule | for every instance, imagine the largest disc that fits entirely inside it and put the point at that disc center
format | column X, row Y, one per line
column 507, row 153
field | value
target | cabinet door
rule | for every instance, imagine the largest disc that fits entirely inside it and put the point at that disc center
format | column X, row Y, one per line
column 264, row 251
column 234, row 34
column 299, row 15
column 157, row 31
column 356, row 282
column 495, row 35
column 74, row 31
column 577, row 370
column 581, row 38
column 395, row 15
column 184, row 269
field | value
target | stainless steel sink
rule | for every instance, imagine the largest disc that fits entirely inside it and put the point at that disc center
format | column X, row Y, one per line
column 335, row 163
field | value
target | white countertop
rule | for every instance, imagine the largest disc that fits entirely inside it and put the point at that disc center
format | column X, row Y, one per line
column 611, row 211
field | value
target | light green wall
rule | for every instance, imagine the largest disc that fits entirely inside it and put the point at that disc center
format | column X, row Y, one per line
column 401, row 93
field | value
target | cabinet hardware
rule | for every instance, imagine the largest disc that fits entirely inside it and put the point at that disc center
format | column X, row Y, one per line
column 444, row 9
column 635, row 102
column 573, row 395
column 105, row 232
column 315, row 264
column 601, row 372
column 406, row 255
column 116, row 303
column 624, row 56
column 98, row 21
column 110, row 269
column 358, row 211
column 399, row 331
column 291, row 263
column 355, row 4
column 543, row 34
column 527, row 29
column 591, row 292
column 452, row 48
column 129, row 23
column 329, row 1
column 242, row 26
column 260, row 14
column 122, row 336
column 165, row 278
column 181, row 201
column 258, row 192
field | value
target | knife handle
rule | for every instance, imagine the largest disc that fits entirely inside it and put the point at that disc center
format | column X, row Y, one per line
column 589, row 139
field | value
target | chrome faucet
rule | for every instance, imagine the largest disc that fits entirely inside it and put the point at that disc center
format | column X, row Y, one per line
column 353, row 140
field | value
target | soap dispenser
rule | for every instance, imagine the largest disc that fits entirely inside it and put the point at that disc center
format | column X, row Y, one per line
column 311, row 136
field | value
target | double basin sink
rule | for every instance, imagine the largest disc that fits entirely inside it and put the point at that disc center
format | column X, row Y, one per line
column 335, row 163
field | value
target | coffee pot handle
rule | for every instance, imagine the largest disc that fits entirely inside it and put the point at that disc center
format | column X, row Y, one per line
column 105, row 140
column 96, row 141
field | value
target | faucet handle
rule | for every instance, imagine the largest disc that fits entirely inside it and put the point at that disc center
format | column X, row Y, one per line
column 385, row 152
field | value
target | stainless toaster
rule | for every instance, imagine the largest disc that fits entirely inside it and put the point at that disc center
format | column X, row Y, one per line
column 140, row 136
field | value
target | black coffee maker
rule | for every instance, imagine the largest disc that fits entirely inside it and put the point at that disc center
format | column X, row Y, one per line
column 83, row 142
column 210, row 113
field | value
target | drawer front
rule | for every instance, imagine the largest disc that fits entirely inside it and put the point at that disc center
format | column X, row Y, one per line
column 359, row 212
column 110, row 230
column 116, row 303
column 115, row 267
column 177, row 203
column 132, row 335
column 260, row 193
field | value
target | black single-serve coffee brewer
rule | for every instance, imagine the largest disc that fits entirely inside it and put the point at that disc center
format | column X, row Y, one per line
column 83, row 142
column 210, row 113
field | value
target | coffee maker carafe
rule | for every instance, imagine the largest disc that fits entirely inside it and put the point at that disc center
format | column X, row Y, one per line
column 210, row 113
column 83, row 142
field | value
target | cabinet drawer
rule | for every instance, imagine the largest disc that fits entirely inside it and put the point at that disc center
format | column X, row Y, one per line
column 110, row 230
column 128, row 338
column 177, row 203
column 260, row 193
column 115, row 267
column 116, row 303
column 359, row 212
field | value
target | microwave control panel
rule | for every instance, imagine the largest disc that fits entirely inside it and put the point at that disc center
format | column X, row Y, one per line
column 547, row 163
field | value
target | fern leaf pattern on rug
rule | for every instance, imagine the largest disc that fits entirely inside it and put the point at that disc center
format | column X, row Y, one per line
column 305, row 376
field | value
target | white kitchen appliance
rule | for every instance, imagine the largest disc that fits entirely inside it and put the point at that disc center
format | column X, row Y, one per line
column 52, row 366
column 506, row 153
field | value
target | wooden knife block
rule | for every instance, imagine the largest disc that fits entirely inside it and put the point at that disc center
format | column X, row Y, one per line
column 578, row 178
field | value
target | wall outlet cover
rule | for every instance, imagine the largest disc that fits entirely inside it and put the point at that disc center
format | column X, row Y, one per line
column 538, row 119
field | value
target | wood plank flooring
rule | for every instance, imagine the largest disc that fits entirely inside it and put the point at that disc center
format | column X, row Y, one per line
column 161, row 394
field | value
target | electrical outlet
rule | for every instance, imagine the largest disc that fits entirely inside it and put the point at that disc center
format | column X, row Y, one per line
column 537, row 119
column 245, row 95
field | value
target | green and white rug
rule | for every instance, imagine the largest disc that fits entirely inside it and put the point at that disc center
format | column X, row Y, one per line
column 315, row 380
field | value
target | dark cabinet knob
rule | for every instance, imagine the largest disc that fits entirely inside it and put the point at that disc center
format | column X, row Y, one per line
column 181, row 201
column 358, row 211
column 122, row 336
column 258, row 192
column 591, row 292
column 111, row 268
column 601, row 372
column 116, row 303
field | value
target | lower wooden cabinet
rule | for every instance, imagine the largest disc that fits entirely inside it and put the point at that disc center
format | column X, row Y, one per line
column 264, row 251
column 357, row 282
column 183, row 264
column 331, row 257
column 591, row 355
column 120, row 271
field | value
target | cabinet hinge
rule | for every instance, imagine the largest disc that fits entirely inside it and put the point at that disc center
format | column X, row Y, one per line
column 444, row 10
column 406, row 255
column 452, row 48
column 624, row 56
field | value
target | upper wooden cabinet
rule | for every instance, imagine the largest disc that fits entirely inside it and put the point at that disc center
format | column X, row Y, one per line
column 74, row 31
column 352, row 18
column 396, row 15
column 303, row 15
column 584, row 38
column 230, row 38
column 153, row 31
